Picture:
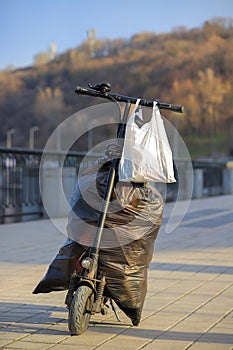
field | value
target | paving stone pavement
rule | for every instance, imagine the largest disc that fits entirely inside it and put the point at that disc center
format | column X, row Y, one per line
column 190, row 292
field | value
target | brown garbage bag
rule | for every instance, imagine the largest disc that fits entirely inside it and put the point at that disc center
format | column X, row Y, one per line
column 131, row 227
column 135, row 208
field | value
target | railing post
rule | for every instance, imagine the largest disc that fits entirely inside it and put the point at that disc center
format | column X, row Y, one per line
column 198, row 183
column 52, row 192
column 228, row 178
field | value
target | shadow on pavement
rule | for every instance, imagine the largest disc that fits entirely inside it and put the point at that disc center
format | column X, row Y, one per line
column 210, row 269
column 16, row 318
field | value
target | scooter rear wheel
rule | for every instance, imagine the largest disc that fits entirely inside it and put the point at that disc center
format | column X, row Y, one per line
column 80, row 310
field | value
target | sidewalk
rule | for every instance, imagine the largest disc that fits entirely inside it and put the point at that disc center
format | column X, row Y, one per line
column 189, row 300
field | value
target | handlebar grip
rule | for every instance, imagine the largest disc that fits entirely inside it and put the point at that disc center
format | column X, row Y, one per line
column 174, row 108
column 82, row 90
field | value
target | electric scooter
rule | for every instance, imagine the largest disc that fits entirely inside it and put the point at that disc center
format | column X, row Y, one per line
column 86, row 293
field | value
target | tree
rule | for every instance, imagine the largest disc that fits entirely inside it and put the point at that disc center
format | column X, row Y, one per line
column 210, row 93
column 183, row 93
column 49, row 110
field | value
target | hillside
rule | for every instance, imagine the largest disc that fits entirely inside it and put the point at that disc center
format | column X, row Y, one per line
column 189, row 67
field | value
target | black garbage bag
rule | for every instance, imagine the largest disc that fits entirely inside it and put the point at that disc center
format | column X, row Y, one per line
column 134, row 210
column 57, row 277
column 131, row 227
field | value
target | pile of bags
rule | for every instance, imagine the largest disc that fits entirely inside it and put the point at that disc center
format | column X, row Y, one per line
column 127, row 243
column 131, row 226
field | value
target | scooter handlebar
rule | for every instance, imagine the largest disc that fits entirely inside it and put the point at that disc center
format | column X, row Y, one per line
column 122, row 98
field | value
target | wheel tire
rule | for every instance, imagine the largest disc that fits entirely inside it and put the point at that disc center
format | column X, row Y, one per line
column 79, row 312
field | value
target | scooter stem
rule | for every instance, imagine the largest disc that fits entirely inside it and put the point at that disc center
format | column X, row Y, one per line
column 94, row 252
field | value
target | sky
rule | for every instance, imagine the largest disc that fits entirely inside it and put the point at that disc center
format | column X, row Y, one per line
column 28, row 27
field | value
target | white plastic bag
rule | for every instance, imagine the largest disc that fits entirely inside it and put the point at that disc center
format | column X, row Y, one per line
column 146, row 154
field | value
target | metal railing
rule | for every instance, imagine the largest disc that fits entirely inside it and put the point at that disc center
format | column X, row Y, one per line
column 212, row 176
column 20, row 197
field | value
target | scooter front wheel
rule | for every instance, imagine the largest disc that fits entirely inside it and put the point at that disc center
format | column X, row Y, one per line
column 80, row 310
